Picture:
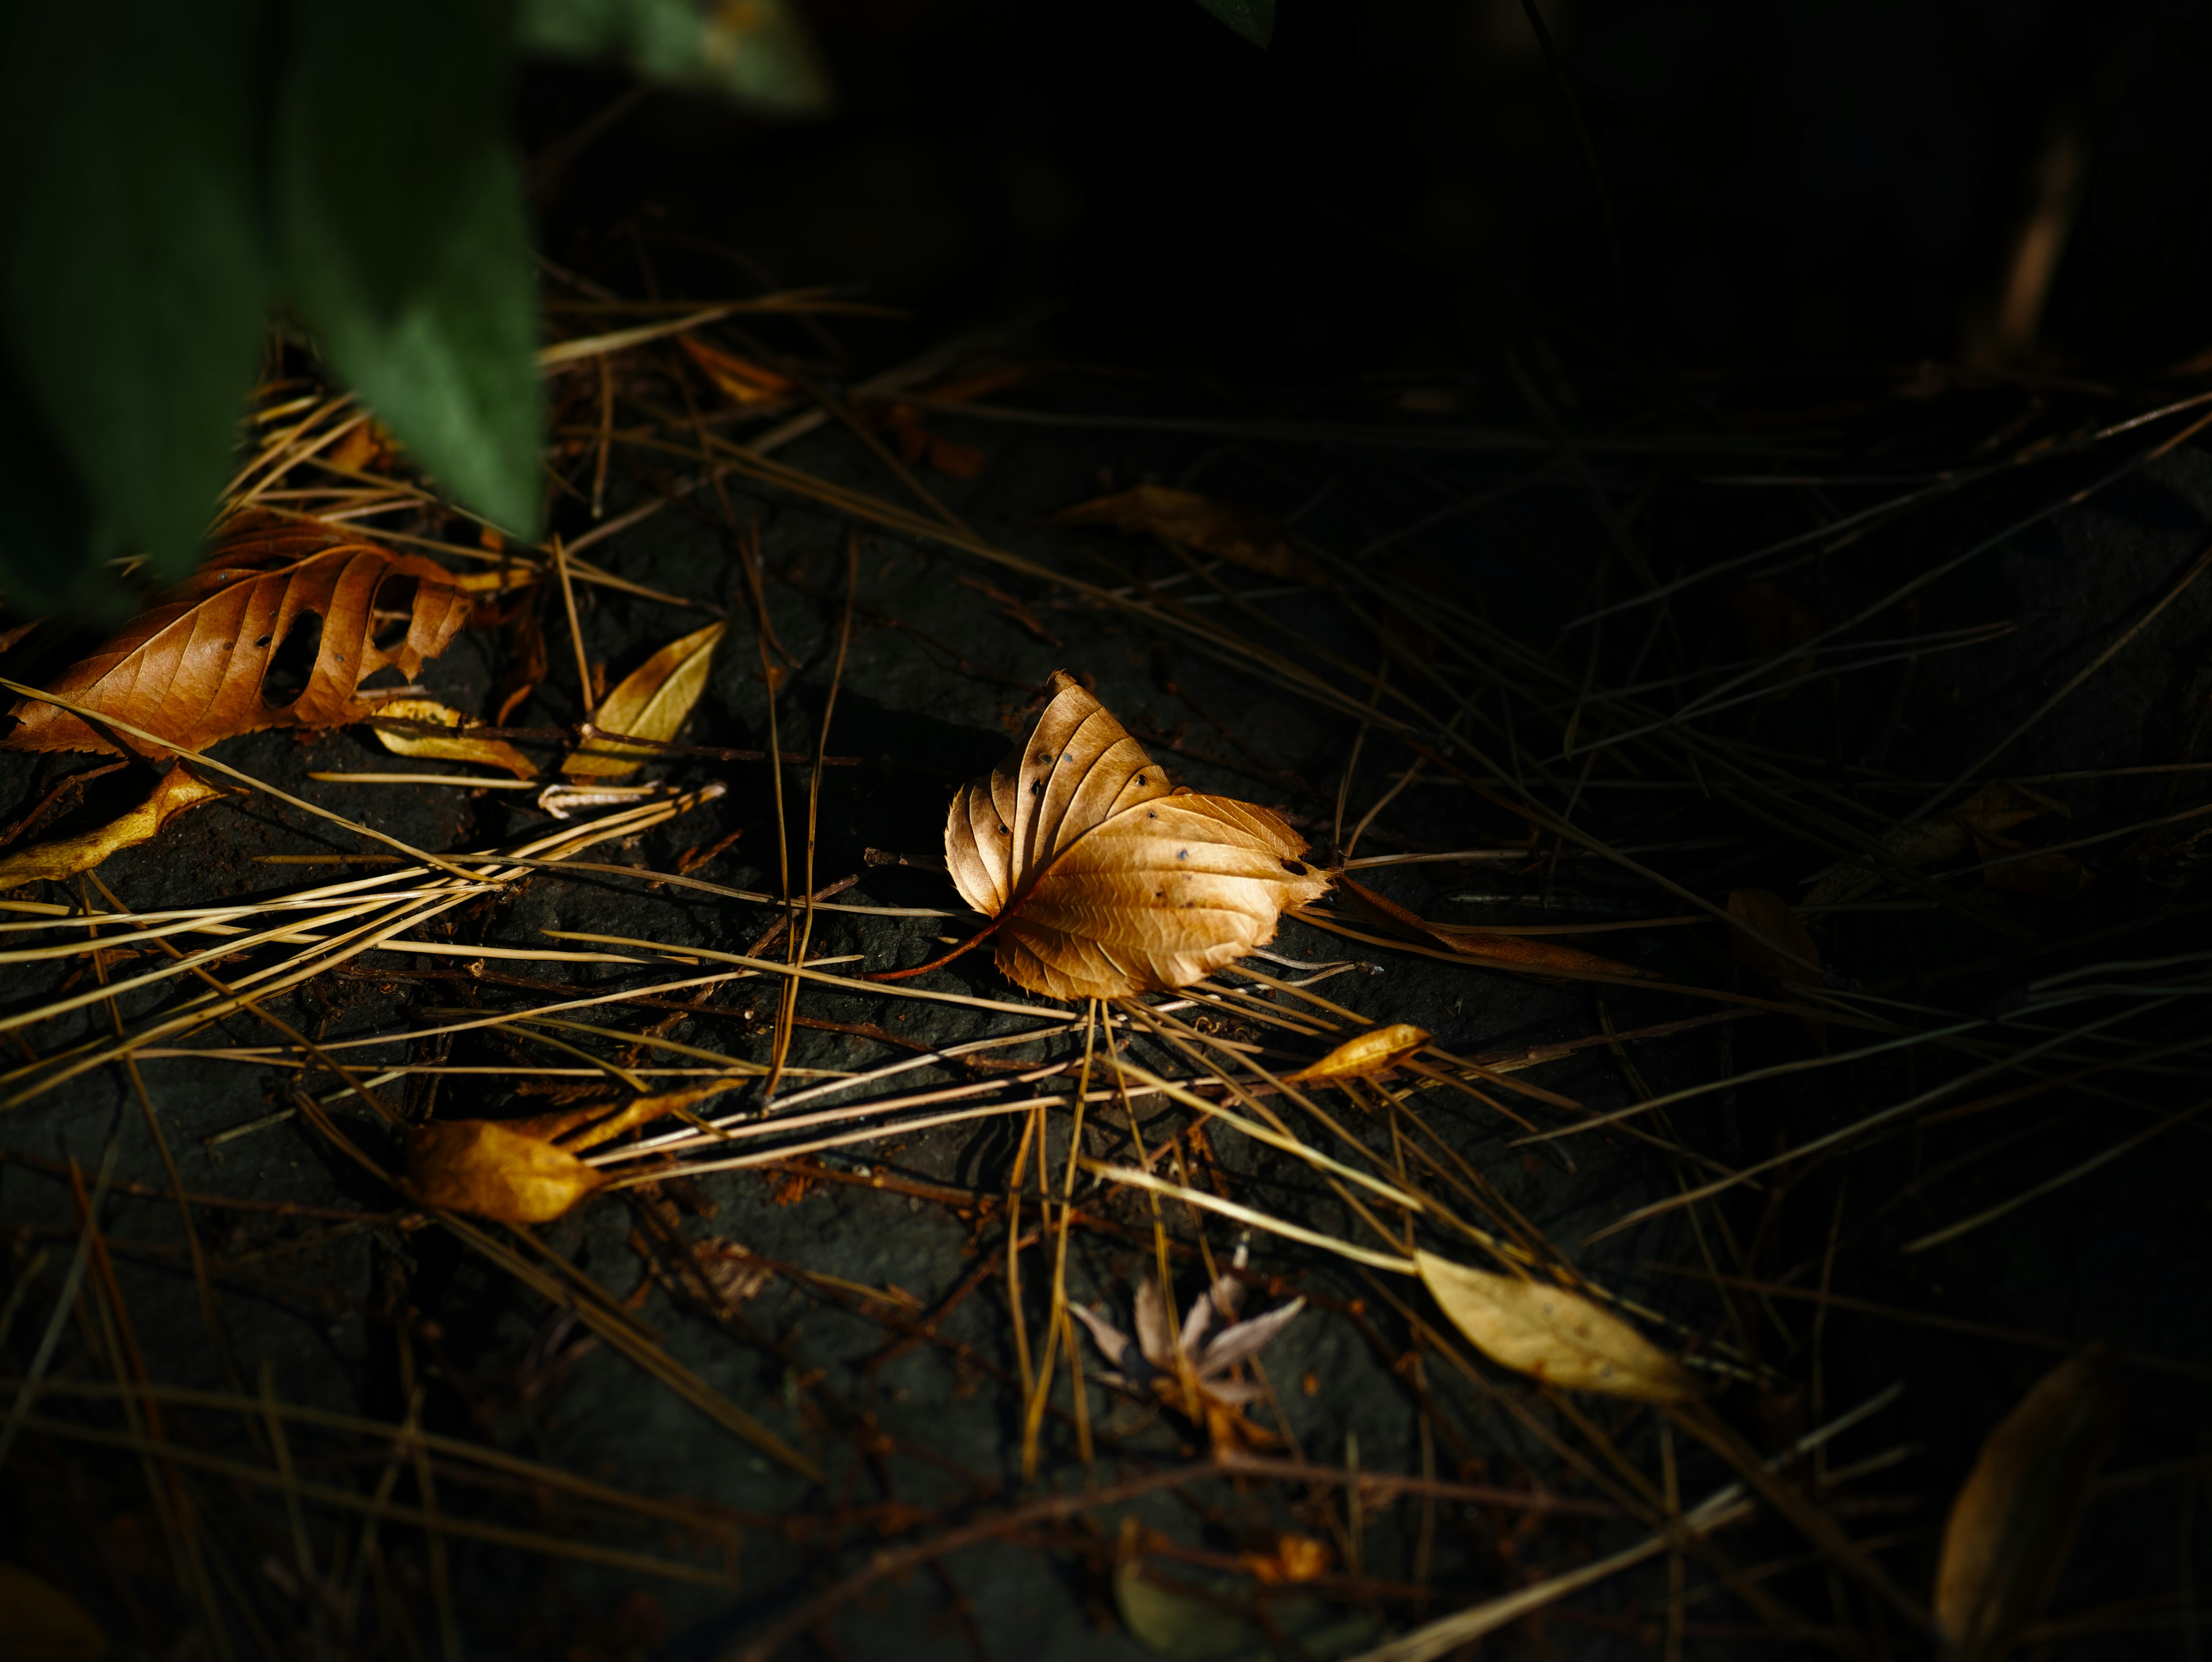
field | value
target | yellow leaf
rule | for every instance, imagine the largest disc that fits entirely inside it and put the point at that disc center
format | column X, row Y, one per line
column 42, row 1624
column 651, row 703
column 1364, row 1054
column 1553, row 1335
column 1106, row 879
column 494, row 1171
column 2014, row 1519
column 178, row 790
column 488, row 753
column 1205, row 527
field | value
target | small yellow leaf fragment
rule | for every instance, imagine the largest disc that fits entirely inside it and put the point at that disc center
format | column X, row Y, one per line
column 652, row 702
column 2014, row 1519
column 1363, row 1054
column 179, row 788
column 1553, row 1335
column 494, row 1171
column 43, row 1623
column 487, row 752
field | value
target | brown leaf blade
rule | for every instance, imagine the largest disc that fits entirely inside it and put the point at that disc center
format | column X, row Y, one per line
column 652, row 702
column 1553, row 1335
column 1363, row 1054
column 486, row 752
column 1239, row 535
column 490, row 1170
column 1106, row 879
column 178, row 790
column 193, row 669
column 2012, row 1521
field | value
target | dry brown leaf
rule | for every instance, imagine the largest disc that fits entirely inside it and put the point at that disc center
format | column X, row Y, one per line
column 2044, row 876
column 488, row 753
column 918, row 447
column 65, row 856
column 2014, row 1519
column 191, row 670
column 1773, row 622
column 526, row 1171
column 1553, row 1335
column 1482, row 946
column 45, row 1624
column 1204, row 525
column 1755, row 912
column 1295, row 1558
column 1105, row 879
column 1363, row 1054
column 1982, row 819
column 652, row 702
column 740, row 379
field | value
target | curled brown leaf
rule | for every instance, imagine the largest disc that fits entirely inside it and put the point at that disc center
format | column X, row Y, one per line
column 2014, row 1519
column 194, row 669
column 1104, row 878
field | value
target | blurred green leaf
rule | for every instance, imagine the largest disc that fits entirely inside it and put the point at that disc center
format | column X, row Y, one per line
column 1252, row 19
column 1175, row 1624
column 137, row 266
column 453, row 373
column 382, row 105
column 757, row 52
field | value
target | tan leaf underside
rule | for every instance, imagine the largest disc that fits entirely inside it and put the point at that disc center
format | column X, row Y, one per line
column 1553, row 1335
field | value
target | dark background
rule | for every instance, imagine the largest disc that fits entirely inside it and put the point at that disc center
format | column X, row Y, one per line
column 1823, row 181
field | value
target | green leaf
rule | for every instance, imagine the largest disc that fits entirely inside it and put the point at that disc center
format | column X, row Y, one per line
column 1175, row 1624
column 380, row 103
column 453, row 373
column 757, row 52
column 137, row 268
column 1252, row 19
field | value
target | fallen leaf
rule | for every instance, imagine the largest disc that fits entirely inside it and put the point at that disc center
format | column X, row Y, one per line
column 65, row 856
column 45, row 1624
column 1999, row 806
column 1773, row 622
column 652, row 702
column 1204, row 525
column 1769, row 915
column 1553, row 1335
column 1515, row 950
column 2014, row 1519
column 488, row 753
column 526, row 664
column 1105, row 879
column 918, row 447
column 1295, row 1558
column 193, row 670
column 1984, row 816
column 526, row 1171
column 1166, row 1620
column 1363, row 1054
column 2044, row 876
column 741, row 380
column 366, row 449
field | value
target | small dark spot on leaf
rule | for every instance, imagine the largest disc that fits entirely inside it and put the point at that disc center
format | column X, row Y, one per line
column 1182, row 854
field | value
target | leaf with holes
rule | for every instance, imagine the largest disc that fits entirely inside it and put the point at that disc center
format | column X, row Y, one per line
column 1105, row 879
column 653, row 701
column 1363, row 1054
column 2015, row 1517
column 1551, row 1334
column 65, row 856
column 460, row 747
column 1226, row 532
column 276, row 629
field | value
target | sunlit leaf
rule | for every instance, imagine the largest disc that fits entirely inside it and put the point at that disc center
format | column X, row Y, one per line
column 178, row 790
column 1109, row 880
column 2013, row 1520
column 137, row 270
column 652, row 702
column 196, row 668
column 42, row 1624
column 1204, row 525
column 1365, row 1054
column 757, row 52
column 487, row 752
column 1553, row 1335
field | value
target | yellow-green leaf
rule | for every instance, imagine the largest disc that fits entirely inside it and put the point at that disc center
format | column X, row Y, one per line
column 487, row 752
column 1553, row 1335
column 652, row 702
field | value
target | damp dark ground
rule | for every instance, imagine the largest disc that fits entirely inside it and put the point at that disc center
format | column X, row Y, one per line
column 351, row 1302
